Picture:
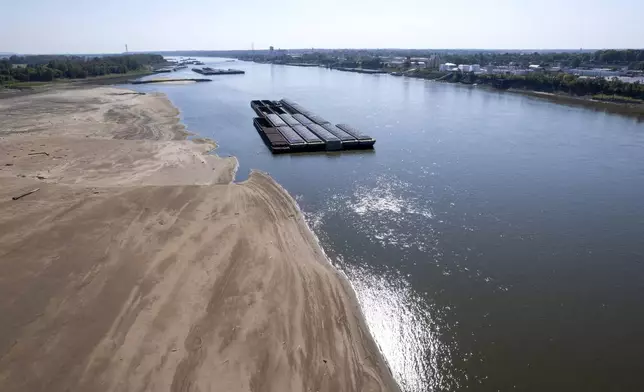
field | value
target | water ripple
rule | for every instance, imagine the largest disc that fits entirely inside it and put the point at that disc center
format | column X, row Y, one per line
column 404, row 328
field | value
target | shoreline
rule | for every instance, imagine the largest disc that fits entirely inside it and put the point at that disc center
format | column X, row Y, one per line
column 140, row 264
column 621, row 108
column 632, row 110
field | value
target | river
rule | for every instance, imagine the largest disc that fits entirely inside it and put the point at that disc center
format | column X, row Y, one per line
column 495, row 241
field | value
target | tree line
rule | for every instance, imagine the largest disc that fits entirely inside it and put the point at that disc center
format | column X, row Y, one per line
column 555, row 82
column 631, row 58
column 47, row 68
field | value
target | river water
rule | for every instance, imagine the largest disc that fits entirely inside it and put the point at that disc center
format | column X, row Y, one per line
column 495, row 241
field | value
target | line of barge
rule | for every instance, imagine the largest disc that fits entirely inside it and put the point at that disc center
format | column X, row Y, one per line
column 285, row 126
column 218, row 71
column 167, row 80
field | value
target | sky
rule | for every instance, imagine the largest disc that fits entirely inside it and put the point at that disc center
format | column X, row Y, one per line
column 81, row 26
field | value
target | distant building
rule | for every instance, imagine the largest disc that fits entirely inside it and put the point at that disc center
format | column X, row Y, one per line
column 395, row 63
column 469, row 68
column 505, row 70
column 276, row 53
column 595, row 72
column 434, row 61
column 447, row 67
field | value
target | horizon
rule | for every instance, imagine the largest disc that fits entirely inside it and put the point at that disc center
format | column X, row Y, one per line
column 81, row 27
column 528, row 50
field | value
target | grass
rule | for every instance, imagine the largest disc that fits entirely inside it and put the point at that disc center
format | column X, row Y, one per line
column 108, row 76
column 617, row 98
column 428, row 74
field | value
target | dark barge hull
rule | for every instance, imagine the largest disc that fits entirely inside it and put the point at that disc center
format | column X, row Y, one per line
column 212, row 71
column 255, row 105
column 364, row 140
column 273, row 139
column 348, row 141
column 285, row 126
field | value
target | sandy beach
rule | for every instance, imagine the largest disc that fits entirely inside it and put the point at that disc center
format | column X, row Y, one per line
column 138, row 265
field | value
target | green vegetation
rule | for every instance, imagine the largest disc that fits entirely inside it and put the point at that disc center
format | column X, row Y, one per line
column 358, row 61
column 426, row 73
column 631, row 58
column 362, row 58
column 617, row 99
column 18, row 70
column 555, row 82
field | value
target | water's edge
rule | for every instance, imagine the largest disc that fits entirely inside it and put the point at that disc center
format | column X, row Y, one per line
column 341, row 275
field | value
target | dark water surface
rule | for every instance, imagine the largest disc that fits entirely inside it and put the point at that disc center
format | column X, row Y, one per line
column 495, row 241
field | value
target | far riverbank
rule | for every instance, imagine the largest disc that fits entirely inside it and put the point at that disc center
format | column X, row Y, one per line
column 627, row 109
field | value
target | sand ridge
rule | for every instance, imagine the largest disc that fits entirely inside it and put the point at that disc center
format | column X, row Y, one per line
column 139, row 265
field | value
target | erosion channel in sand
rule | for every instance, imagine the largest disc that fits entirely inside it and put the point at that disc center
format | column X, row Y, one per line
column 139, row 265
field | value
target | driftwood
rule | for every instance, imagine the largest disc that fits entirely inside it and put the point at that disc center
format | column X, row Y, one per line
column 25, row 194
column 38, row 153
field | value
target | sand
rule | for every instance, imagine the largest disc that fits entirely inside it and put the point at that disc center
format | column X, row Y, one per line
column 139, row 266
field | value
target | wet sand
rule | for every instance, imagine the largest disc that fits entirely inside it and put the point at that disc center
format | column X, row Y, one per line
column 138, row 265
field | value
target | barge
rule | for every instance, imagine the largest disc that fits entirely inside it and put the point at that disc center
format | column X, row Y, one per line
column 273, row 139
column 286, row 126
column 364, row 140
column 218, row 71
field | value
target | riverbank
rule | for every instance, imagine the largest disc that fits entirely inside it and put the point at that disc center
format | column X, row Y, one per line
column 614, row 97
column 604, row 103
column 138, row 264
column 21, row 88
column 624, row 108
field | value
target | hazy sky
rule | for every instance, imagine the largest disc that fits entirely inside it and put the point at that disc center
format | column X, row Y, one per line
column 81, row 26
